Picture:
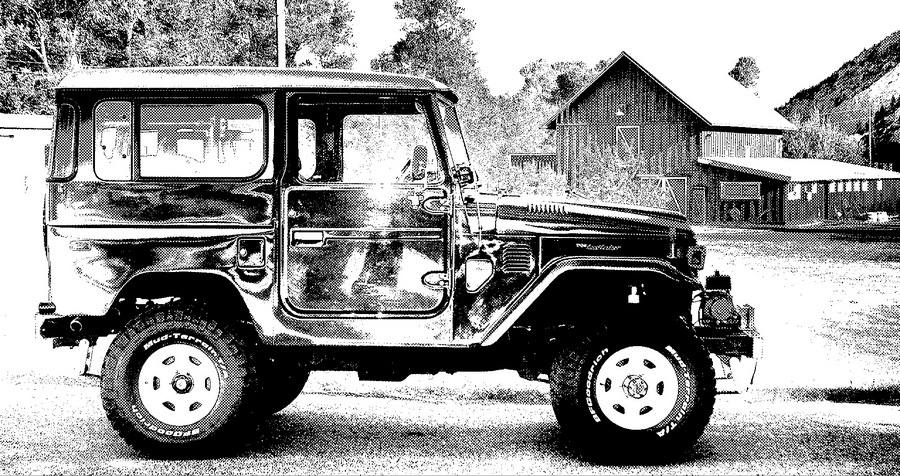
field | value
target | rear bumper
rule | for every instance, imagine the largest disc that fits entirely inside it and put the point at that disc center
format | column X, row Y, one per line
column 50, row 325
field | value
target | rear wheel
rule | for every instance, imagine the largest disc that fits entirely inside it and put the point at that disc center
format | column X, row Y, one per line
column 633, row 397
column 175, row 384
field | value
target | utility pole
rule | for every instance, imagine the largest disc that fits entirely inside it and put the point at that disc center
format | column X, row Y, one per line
column 871, row 133
column 280, row 13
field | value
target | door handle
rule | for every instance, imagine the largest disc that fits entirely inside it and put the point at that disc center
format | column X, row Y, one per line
column 436, row 205
column 308, row 238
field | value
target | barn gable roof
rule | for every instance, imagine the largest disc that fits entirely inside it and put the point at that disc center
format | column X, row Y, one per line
column 718, row 100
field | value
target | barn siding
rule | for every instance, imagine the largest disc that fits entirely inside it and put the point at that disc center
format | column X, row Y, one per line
column 741, row 144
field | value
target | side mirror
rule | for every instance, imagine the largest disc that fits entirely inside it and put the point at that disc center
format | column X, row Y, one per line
column 419, row 163
column 464, row 175
column 478, row 272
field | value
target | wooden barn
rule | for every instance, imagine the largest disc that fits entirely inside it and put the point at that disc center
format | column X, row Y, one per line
column 711, row 143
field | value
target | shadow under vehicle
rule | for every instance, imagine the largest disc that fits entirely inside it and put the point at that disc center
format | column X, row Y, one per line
column 237, row 228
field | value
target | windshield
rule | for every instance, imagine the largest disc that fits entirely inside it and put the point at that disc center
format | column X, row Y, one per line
column 458, row 154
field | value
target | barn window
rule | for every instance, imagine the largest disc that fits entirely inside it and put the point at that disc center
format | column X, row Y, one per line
column 741, row 190
column 865, row 185
column 879, row 185
column 840, row 186
column 831, row 187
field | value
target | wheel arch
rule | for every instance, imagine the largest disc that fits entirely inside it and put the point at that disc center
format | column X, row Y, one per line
column 617, row 296
column 553, row 311
column 216, row 291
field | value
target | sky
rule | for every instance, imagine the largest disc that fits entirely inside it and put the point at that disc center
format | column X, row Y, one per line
column 796, row 43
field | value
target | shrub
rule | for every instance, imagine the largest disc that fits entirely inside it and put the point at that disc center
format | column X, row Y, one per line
column 599, row 177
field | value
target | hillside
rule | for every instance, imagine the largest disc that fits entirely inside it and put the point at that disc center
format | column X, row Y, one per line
column 861, row 75
column 872, row 78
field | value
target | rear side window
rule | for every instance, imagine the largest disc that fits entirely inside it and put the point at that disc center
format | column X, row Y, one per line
column 201, row 140
column 112, row 140
column 62, row 158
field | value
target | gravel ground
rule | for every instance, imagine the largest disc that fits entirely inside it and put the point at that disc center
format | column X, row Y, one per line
column 461, row 425
column 829, row 310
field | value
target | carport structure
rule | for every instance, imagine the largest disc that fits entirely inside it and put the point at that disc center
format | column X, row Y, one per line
column 798, row 191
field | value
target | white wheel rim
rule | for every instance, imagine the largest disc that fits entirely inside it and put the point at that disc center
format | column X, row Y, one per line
column 178, row 384
column 636, row 388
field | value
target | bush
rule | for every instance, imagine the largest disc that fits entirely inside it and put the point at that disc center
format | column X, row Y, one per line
column 531, row 180
column 600, row 177
column 610, row 177
column 815, row 140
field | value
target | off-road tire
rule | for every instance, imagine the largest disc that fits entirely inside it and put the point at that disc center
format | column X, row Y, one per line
column 280, row 383
column 225, row 377
column 584, row 398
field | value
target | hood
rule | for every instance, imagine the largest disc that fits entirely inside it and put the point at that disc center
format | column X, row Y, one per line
column 544, row 215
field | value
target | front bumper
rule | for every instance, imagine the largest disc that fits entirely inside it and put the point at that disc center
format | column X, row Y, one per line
column 731, row 342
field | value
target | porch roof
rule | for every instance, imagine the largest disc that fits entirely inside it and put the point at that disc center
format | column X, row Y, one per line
column 798, row 170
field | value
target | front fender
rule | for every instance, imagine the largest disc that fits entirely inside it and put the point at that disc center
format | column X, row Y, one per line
column 556, row 269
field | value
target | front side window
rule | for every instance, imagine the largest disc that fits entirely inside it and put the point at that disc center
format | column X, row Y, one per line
column 385, row 148
column 201, row 140
column 458, row 153
column 112, row 140
column 62, row 159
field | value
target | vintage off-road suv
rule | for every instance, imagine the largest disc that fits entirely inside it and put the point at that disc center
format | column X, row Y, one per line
column 237, row 228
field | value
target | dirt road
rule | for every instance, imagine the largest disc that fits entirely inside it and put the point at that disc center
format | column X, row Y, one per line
column 443, row 424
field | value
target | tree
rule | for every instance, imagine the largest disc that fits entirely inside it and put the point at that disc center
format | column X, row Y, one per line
column 321, row 27
column 43, row 39
column 436, row 44
column 39, row 41
column 557, row 82
column 746, row 72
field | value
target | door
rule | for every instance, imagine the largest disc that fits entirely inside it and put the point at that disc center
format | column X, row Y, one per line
column 677, row 190
column 366, row 219
column 698, row 205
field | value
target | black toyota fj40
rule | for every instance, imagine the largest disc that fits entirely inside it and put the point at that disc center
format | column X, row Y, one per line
column 237, row 228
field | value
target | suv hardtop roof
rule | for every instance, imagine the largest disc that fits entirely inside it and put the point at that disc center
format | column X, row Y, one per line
column 243, row 77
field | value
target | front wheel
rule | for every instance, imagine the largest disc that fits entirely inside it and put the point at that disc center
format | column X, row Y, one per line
column 632, row 396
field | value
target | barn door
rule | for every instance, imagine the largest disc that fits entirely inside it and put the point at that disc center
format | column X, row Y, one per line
column 628, row 141
column 677, row 190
